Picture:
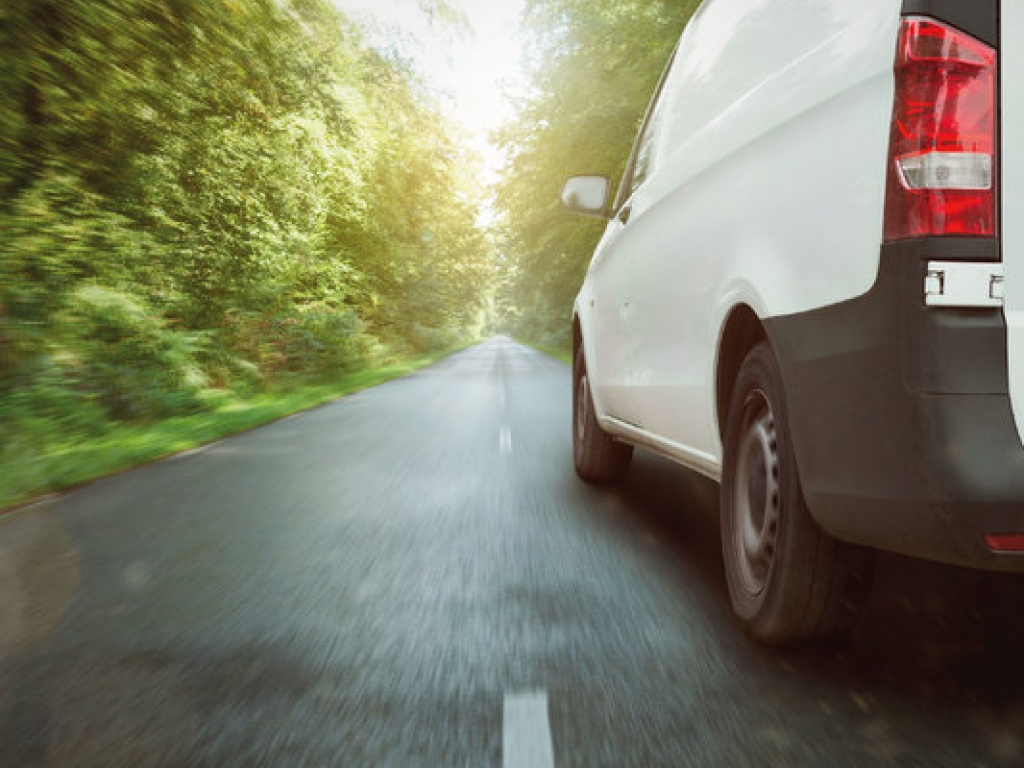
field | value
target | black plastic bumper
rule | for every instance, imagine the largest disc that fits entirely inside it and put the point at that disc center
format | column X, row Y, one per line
column 902, row 425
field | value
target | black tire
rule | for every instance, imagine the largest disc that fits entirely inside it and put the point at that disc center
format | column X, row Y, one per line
column 789, row 581
column 597, row 457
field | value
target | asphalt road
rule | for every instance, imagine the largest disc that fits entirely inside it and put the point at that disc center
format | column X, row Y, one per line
column 413, row 576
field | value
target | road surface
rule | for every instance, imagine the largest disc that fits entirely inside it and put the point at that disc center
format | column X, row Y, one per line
column 413, row 576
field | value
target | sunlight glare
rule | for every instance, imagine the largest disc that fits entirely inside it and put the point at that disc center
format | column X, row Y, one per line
column 473, row 71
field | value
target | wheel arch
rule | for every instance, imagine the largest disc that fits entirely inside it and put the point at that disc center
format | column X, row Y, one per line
column 577, row 334
column 741, row 331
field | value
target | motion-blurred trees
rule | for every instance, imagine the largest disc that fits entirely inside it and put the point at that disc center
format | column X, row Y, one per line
column 593, row 66
column 216, row 192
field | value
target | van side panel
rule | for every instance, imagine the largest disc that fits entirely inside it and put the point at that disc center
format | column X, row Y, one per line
column 1011, row 55
column 775, row 114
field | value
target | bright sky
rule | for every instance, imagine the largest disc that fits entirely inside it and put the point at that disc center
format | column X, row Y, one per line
column 474, row 70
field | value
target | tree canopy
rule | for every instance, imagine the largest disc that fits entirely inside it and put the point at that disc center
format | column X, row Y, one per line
column 200, row 193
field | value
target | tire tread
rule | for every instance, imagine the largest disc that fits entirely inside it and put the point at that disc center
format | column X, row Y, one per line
column 818, row 584
column 598, row 457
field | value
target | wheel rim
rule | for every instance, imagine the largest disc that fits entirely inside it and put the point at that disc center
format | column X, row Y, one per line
column 582, row 407
column 755, row 494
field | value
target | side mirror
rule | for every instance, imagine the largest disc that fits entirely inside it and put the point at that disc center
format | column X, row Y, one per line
column 587, row 195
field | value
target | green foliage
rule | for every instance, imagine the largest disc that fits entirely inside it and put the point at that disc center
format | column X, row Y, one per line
column 233, row 156
column 430, row 270
column 594, row 66
column 314, row 341
column 212, row 193
column 56, row 235
column 122, row 355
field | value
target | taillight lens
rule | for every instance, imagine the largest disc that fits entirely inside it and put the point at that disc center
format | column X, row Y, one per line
column 942, row 159
column 1012, row 542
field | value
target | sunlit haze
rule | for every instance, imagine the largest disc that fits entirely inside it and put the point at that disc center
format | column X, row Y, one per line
column 473, row 70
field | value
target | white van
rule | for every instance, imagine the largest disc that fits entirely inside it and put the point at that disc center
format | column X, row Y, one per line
column 811, row 289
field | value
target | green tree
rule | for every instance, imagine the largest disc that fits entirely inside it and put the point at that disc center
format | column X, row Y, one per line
column 232, row 169
column 593, row 66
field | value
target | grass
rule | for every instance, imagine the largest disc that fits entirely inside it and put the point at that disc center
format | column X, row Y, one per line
column 556, row 352
column 46, row 463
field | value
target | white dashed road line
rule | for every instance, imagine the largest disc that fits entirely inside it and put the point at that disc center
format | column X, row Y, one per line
column 526, row 734
column 505, row 440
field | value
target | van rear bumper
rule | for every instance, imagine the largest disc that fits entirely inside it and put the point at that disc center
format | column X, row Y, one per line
column 901, row 421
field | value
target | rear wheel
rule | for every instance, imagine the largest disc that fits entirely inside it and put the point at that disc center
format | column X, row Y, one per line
column 789, row 581
column 598, row 458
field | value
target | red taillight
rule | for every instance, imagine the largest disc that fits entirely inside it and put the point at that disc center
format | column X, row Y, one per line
column 942, row 162
column 1008, row 542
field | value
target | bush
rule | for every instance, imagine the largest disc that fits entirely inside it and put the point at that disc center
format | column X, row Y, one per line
column 56, row 235
column 49, row 401
column 424, row 338
column 558, row 338
column 324, row 341
column 315, row 341
column 121, row 352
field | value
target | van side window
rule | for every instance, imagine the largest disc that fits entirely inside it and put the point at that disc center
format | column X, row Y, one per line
column 641, row 161
column 645, row 149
